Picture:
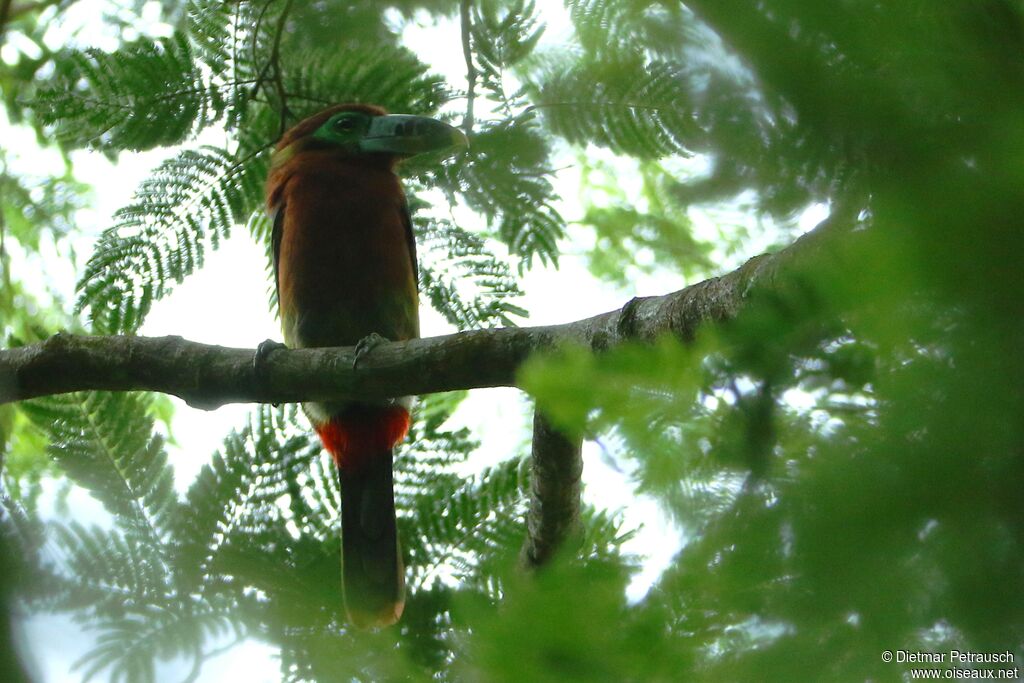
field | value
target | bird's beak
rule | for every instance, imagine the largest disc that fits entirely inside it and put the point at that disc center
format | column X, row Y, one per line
column 407, row 135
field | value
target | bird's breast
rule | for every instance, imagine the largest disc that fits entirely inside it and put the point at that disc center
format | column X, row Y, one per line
column 345, row 265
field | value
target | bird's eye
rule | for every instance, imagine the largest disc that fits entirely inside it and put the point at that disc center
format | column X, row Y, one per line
column 345, row 125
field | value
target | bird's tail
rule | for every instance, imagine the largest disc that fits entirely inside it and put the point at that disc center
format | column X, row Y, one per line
column 362, row 440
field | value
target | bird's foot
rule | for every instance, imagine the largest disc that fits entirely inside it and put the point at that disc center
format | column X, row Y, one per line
column 265, row 348
column 365, row 345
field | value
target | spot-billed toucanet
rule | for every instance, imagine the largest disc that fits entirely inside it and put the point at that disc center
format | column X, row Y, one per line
column 345, row 265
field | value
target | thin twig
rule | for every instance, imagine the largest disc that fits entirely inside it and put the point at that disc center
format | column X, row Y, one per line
column 254, row 48
column 467, row 51
column 273, row 62
column 275, row 58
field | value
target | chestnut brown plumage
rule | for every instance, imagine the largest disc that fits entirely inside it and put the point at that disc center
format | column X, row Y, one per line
column 345, row 268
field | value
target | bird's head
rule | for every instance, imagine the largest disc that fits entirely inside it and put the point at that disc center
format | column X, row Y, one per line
column 366, row 131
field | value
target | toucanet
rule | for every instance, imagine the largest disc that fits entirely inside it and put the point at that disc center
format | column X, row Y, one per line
column 346, row 274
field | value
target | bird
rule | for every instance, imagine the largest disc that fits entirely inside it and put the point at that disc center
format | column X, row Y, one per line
column 346, row 274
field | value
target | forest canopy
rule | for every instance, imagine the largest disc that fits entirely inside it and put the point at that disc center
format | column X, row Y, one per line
column 840, row 454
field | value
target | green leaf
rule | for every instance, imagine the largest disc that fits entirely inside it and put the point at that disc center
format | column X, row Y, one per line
column 631, row 106
column 147, row 94
column 106, row 444
column 506, row 178
column 463, row 279
column 189, row 203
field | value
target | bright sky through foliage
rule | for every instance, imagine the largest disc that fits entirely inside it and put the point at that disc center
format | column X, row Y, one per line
column 837, row 443
column 225, row 303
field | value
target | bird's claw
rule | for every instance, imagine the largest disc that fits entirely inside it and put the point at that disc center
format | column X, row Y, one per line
column 365, row 345
column 264, row 349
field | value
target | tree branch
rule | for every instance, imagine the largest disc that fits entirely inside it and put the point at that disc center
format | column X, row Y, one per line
column 207, row 376
column 556, row 466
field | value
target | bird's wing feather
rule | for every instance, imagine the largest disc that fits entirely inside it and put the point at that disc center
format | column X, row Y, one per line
column 411, row 239
column 277, row 216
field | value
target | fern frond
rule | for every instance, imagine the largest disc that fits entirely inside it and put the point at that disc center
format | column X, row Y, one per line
column 222, row 33
column 211, row 30
column 602, row 533
column 391, row 77
column 461, row 527
column 212, row 503
column 22, row 536
column 111, row 571
column 595, row 19
column 129, row 646
column 627, row 105
column 433, row 453
column 188, row 202
column 503, row 34
column 506, row 179
column 621, row 27
column 463, row 279
column 106, row 444
column 147, row 94
column 233, row 501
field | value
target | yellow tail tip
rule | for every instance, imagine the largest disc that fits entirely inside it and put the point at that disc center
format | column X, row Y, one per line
column 388, row 616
